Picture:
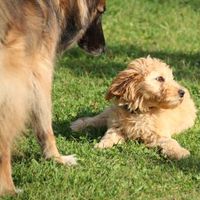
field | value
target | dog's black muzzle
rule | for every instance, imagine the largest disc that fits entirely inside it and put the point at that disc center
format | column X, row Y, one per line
column 93, row 40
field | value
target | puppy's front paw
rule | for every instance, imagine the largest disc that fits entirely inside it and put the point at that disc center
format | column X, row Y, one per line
column 67, row 160
column 173, row 149
column 103, row 145
column 177, row 154
column 182, row 153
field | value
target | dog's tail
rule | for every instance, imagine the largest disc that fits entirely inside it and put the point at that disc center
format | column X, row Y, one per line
column 96, row 121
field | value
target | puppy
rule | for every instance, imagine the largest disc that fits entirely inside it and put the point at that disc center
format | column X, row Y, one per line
column 31, row 33
column 148, row 105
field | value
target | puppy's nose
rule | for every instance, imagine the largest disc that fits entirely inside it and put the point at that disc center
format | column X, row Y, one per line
column 181, row 93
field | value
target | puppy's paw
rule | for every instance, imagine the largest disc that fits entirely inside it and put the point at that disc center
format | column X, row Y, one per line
column 103, row 145
column 177, row 154
column 173, row 149
column 182, row 153
column 78, row 125
column 69, row 160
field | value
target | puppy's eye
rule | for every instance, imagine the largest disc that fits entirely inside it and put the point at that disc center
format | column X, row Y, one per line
column 160, row 79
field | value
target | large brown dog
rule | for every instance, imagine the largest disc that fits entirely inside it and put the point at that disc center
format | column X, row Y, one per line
column 30, row 34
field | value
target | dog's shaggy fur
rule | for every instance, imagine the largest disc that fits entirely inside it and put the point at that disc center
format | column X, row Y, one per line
column 30, row 34
column 149, row 105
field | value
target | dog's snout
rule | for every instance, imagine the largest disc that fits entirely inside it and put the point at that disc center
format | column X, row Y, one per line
column 181, row 93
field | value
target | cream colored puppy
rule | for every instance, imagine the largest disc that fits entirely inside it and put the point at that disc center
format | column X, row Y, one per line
column 148, row 105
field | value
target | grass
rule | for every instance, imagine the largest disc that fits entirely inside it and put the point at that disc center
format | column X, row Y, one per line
column 168, row 30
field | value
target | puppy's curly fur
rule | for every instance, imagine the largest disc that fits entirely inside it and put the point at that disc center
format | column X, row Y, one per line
column 148, row 105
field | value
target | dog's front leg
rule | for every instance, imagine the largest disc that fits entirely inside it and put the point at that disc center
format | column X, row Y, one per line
column 172, row 148
column 41, row 119
column 6, row 182
column 111, row 137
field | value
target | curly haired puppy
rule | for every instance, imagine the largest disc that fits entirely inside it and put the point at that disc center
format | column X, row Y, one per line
column 149, row 105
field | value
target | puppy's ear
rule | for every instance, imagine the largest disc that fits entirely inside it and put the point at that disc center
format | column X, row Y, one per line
column 124, row 86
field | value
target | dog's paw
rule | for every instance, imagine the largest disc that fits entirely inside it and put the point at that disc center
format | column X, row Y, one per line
column 10, row 192
column 177, row 154
column 18, row 191
column 77, row 125
column 182, row 153
column 103, row 145
column 69, row 160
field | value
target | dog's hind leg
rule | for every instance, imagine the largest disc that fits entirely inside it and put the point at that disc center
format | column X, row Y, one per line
column 171, row 148
column 41, row 117
column 13, row 115
column 96, row 121
column 111, row 137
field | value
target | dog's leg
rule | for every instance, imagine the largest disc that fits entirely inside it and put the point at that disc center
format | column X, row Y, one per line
column 6, row 182
column 96, row 121
column 47, row 141
column 42, row 122
column 172, row 148
column 12, row 120
column 111, row 137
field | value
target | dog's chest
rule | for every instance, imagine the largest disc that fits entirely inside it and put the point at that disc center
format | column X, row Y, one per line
column 139, row 126
column 135, row 126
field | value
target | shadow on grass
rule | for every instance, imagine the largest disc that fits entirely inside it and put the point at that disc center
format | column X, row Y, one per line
column 90, row 134
column 194, row 4
column 185, row 65
column 187, row 166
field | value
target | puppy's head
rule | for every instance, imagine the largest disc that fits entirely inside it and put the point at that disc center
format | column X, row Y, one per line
column 147, row 83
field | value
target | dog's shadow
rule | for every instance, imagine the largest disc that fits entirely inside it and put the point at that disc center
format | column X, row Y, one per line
column 90, row 134
column 185, row 65
column 188, row 166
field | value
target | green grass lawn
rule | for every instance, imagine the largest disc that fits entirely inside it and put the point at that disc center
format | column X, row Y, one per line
column 167, row 29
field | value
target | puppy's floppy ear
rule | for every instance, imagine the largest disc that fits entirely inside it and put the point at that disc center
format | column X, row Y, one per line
column 124, row 86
